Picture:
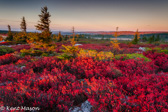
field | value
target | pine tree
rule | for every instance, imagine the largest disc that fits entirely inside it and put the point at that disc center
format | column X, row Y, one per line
column 9, row 29
column 114, row 42
column 10, row 35
column 73, row 32
column 23, row 25
column 136, row 38
column 144, row 39
column 43, row 26
column 59, row 38
column 65, row 37
column 157, row 38
column 152, row 39
column 44, row 22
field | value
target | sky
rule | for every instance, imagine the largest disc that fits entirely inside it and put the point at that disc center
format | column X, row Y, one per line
column 87, row 15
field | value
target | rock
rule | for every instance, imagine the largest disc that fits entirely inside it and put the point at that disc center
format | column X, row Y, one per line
column 85, row 107
column 142, row 48
column 78, row 44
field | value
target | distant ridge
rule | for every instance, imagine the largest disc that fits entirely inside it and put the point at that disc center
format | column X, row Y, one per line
column 125, row 32
column 98, row 32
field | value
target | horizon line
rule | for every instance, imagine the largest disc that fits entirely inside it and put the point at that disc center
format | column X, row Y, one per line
column 91, row 31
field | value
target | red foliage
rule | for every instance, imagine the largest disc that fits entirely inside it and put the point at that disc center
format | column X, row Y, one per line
column 7, row 43
column 135, row 67
column 95, row 47
column 7, row 58
column 19, row 47
column 4, row 43
column 57, row 85
column 159, row 59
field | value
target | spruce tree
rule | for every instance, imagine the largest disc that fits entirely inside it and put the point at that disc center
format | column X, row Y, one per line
column 59, row 38
column 10, row 35
column 157, row 38
column 23, row 25
column 44, row 22
column 9, row 29
column 43, row 26
column 136, row 38
column 135, row 41
column 144, row 39
column 65, row 37
column 152, row 39
column 73, row 32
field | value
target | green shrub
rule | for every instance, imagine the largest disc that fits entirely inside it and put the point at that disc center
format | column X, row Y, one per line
column 45, row 54
column 131, row 56
column 5, row 50
column 164, row 51
column 64, row 56
column 20, row 37
column 158, row 50
column 31, row 52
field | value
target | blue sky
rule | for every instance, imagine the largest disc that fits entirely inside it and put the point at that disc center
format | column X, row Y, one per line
column 88, row 15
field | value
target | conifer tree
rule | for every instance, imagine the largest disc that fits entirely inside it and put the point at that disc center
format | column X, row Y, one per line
column 73, row 32
column 10, row 36
column 114, row 42
column 144, row 39
column 43, row 26
column 65, row 37
column 23, row 25
column 152, row 39
column 59, row 38
column 157, row 38
column 9, row 29
column 44, row 22
column 136, row 38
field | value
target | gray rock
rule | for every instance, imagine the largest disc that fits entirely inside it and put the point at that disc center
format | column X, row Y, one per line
column 85, row 107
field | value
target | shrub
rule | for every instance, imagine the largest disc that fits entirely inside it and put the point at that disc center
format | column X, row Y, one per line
column 31, row 52
column 20, row 37
column 164, row 51
column 133, row 67
column 131, row 56
column 158, row 50
column 88, row 68
column 109, row 86
column 105, row 55
column 87, row 53
column 159, row 59
column 64, row 56
column 115, row 44
column 71, row 50
column 102, row 55
column 5, row 50
column 7, row 58
column 1, row 38
column 44, row 54
column 20, row 47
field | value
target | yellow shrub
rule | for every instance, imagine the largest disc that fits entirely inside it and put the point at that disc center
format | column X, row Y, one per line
column 87, row 53
column 24, row 51
column 105, row 55
column 97, row 55
column 20, row 37
column 71, row 50
column 115, row 44
column 1, row 38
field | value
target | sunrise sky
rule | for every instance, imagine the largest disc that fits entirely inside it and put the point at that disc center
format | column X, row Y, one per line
column 88, row 15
